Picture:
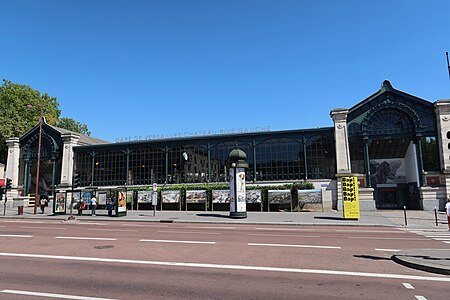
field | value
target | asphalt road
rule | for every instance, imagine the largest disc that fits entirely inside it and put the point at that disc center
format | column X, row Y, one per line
column 129, row 260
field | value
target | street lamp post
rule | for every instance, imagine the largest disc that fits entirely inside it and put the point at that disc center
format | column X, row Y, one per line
column 36, row 195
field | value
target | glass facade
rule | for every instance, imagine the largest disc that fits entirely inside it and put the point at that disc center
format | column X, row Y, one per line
column 272, row 156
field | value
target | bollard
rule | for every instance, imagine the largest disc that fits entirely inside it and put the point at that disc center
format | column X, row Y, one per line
column 435, row 216
column 404, row 212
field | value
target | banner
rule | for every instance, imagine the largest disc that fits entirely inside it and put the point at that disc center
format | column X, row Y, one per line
column 239, row 193
column 60, row 205
column 144, row 197
column 170, row 196
column 196, row 196
column 279, row 196
column 351, row 197
column 220, row 196
column 253, row 196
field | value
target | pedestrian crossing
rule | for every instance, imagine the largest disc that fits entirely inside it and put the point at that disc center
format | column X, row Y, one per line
column 435, row 234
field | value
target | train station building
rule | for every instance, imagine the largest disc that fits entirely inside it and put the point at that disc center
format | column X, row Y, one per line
column 397, row 144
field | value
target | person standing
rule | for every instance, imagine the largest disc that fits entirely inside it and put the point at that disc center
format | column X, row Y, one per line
column 447, row 212
column 93, row 204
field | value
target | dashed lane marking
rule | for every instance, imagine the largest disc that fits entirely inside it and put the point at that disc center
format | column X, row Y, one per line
column 295, row 246
column 284, row 229
column 210, row 227
column 50, row 295
column 285, row 235
column 16, row 235
column 175, row 241
column 369, row 231
column 188, row 232
column 420, row 297
column 388, row 250
column 408, row 286
column 85, row 238
column 382, row 238
column 39, row 227
column 231, row 267
column 146, row 226
column 114, row 230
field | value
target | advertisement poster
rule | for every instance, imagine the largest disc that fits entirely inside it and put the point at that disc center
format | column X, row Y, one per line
column 253, row 196
column 220, row 196
column 144, row 197
column 129, row 196
column 101, row 199
column 237, row 191
column 121, row 202
column 309, row 196
column 279, row 196
column 60, row 205
column 76, row 198
column 170, row 196
column 351, row 197
column 86, row 197
column 196, row 196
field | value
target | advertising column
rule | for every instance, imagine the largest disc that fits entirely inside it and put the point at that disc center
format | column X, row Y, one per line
column 238, row 204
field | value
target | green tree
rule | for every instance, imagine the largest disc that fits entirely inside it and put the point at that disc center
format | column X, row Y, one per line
column 72, row 125
column 20, row 107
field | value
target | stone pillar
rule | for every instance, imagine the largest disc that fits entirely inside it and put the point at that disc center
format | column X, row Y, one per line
column 12, row 165
column 442, row 110
column 339, row 116
column 343, row 166
column 69, row 140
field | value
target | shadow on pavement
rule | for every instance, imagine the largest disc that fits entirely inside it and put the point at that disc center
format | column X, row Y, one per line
column 213, row 215
column 371, row 257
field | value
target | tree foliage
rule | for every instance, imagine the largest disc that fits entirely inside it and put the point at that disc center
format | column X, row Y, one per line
column 73, row 125
column 20, row 107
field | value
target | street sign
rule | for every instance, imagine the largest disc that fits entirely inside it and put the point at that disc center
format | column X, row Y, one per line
column 155, row 186
column 154, row 199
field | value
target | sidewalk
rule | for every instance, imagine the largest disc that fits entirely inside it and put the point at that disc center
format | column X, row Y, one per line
column 430, row 260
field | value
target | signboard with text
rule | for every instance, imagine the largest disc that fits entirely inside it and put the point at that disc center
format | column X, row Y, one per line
column 350, row 197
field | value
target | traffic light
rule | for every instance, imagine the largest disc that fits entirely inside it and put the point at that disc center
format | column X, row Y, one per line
column 76, row 180
column 8, row 183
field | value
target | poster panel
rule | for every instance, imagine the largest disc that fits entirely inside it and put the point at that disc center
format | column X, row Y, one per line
column 253, row 196
column 237, row 190
column 351, row 197
column 76, row 198
column 220, row 196
column 279, row 196
column 170, row 196
column 102, row 198
column 144, row 197
column 197, row 196
column 310, row 196
column 86, row 197
column 60, row 205
column 121, row 202
column 129, row 196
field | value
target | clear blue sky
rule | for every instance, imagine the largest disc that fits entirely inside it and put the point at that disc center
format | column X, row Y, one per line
column 137, row 68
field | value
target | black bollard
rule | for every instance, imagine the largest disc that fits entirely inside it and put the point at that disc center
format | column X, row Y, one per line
column 435, row 216
column 404, row 212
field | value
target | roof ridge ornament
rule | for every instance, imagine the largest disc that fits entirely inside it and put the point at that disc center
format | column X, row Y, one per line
column 387, row 86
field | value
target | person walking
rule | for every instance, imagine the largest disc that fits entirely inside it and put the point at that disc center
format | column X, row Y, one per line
column 110, row 205
column 43, row 202
column 93, row 204
column 447, row 211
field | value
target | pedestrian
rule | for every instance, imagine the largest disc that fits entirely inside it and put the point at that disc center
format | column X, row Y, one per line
column 447, row 211
column 81, row 206
column 43, row 202
column 93, row 204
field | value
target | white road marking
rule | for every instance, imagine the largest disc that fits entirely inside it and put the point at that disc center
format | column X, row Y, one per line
column 32, row 222
column 84, row 238
column 369, row 231
column 209, row 227
column 382, row 238
column 49, row 295
column 438, row 236
column 2, row 226
column 420, row 297
column 284, row 229
column 16, row 235
column 55, row 228
column 447, row 242
column 285, row 235
column 119, row 230
column 231, row 267
column 408, row 286
column 296, row 246
column 92, row 223
column 182, row 242
column 148, row 226
column 442, row 239
column 393, row 250
column 188, row 232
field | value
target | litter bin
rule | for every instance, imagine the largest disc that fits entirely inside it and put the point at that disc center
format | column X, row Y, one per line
column 20, row 210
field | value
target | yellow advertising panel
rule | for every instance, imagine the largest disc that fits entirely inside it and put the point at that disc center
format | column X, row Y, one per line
column 351, row 197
